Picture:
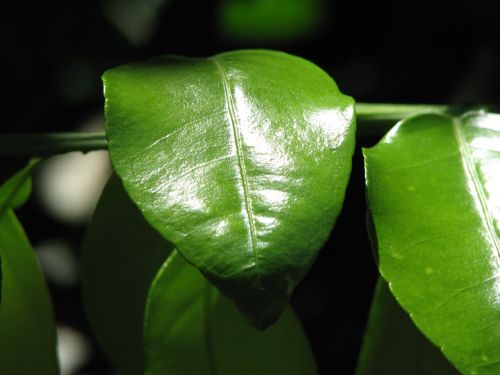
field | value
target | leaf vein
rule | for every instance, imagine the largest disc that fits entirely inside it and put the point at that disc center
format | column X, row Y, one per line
column 242, row 168
column 471, row 171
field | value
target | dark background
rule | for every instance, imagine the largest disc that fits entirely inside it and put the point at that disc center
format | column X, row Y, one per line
column 53, row 53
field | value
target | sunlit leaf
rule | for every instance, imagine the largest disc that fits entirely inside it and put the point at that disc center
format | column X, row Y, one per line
column 241, row 160
column 434, row 190
column 121, row 255
column 191, row 329
column 393, row 345
column 27, row 331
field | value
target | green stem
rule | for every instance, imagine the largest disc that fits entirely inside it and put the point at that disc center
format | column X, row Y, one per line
column 373, row 120
column 46, row 144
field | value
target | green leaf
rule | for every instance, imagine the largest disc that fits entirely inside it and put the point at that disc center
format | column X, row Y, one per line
column 393, row 345
column 13, row 193
column 17, row 189
column 434, row 190
column 121, row 255
column 269, row 21
column 241, row 160
column 27, row 332
column 191, row 329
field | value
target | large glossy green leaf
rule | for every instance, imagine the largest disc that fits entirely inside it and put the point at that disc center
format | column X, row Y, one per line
column 191, row 329
column 121, row 255
column 434, row 190
column 27, row 331
column 394, row 346
column 241, row 160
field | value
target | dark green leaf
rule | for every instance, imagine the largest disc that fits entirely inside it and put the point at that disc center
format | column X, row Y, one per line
column 13, row 193
column 434, row 190
column 27, row 332
column 191, row 329
column 269, row 21
column 121, row 255
column 241, row 160
column 17, row 189
column 394, row 346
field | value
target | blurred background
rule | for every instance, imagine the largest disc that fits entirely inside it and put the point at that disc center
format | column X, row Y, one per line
column 53, row 54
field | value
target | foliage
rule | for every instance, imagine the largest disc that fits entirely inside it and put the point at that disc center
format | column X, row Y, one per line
column 240, row 161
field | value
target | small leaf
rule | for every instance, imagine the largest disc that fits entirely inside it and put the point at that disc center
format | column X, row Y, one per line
column 241, row 160
column 13, row 193
column 27, row 331
column 17, row 189
column 393, row 345
column 434, row 191
column 121, row 255
column 191, row 329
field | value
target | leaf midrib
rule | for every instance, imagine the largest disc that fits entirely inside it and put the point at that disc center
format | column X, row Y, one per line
column 472, row 173
column 241, row 167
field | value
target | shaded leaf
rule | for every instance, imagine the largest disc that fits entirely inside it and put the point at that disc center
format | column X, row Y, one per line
column 434, row 190
column 191, row 329
column 137, row 20
column 121, row 255
column 17, row 189
column 393, row 345
column 241, row 160
column 13, row 193
column 269, row 21
column 27, row 331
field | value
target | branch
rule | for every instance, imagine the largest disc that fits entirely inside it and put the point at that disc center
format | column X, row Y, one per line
column 373, row 120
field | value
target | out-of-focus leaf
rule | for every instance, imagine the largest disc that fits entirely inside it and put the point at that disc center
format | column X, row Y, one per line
column 13, row 193
column 434, row 191
column 17, row 189
column 269, row 20
column 121, row 255
column 27, row 331
column 241, row 160
column 137, row 20
column 191, row 329
column 393, row 345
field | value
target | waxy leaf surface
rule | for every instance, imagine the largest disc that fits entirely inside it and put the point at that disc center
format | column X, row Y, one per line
column 27, row 330
column 241, row 160
column 191, row 329
column 434, row 191
column 121, row 256
column 394, row 346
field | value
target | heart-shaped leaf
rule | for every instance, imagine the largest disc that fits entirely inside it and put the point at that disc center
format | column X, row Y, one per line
column 434, row 191
column 27, row 331
column 191, row 329
column 241, row 160
column 121, row 255
column 393, row 345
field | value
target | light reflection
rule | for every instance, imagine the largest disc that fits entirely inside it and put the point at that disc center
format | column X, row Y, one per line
column 255, row 132
column 489, row 121
column 487, row 143
column 268, row 222
column 326, row 122
column 221, row 228
column 483, row 152
column 272, row 197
